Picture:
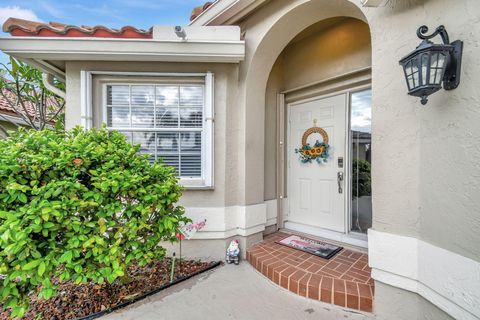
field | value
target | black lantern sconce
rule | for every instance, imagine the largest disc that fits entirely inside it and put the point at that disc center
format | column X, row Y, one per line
column 431, row 64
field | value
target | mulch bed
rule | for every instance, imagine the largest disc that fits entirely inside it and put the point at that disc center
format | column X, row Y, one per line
column 76, row 301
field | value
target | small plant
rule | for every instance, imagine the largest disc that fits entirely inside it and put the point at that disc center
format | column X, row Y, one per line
column 79, row 205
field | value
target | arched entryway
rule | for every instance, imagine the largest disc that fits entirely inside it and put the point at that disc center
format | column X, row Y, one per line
column 312, row 68
column 269, row 32
column 322, row 79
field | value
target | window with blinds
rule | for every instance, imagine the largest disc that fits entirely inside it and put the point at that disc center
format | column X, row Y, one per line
column 165, row 120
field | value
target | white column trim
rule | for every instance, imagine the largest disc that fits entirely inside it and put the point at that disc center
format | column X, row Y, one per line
column 448, row 280
column 209, row 122
column 280, row 163
column 271, row 212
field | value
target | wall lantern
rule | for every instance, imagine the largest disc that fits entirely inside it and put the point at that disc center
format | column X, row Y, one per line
column 431, row 64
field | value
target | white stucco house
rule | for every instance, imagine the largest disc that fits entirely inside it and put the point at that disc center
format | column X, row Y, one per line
column 227, row 99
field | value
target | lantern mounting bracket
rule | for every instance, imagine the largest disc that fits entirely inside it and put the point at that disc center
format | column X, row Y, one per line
column 421, row 33
column 451, row 79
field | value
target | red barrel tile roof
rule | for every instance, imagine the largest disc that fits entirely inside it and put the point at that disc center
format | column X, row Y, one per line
column 5, row 106
column 26, row 28
column 199, row 10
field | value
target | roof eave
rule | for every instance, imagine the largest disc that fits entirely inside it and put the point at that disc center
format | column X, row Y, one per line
column 226, row 12
column 74, row 49
column 11, row 116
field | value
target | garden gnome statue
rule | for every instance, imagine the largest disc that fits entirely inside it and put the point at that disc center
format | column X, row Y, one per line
column 233, row 252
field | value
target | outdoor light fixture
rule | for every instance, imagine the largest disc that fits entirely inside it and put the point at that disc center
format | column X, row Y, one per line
column 430, row 64
column 180, row 32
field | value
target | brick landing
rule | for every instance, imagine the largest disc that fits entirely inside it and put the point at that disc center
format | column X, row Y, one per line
column 343, row 280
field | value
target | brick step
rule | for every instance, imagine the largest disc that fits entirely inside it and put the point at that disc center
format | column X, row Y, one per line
column 344, row 280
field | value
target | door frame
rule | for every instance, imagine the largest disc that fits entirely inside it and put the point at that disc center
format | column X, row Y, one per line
column 283, row 105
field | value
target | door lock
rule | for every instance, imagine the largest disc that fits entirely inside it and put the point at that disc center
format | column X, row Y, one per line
column 340, row 162
column 340, row 180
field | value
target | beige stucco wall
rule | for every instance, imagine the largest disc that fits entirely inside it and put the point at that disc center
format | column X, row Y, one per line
column 226, row 127
column 329, row 52
column 425, row 171
column 391, row 303
column 324, row 50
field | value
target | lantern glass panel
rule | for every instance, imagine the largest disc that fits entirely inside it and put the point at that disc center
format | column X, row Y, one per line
column 425, row 65
column 408, row 74
column 415, row 73
column 412, row 73
column 437, row 67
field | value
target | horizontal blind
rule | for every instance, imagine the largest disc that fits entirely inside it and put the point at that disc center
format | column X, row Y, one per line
column 165, row 120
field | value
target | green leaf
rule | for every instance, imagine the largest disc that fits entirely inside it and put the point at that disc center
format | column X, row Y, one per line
column 22, row 197
column 5, row 292
column 48, row 293
column 12, row 303
column 88, row 242
column 48, row 225
column 18, row 312
column 66, row 256
column 41, row 268
column 31, row 265
column 14, row 65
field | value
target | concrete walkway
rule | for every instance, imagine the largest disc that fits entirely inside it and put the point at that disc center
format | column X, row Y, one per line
column 232, row 292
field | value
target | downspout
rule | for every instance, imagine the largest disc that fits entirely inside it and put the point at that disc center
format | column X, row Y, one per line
column 48, row 83
column 86, row 120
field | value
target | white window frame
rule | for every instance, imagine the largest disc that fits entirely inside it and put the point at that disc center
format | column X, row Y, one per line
column 206, row 181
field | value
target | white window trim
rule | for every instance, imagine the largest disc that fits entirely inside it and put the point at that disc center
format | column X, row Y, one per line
column 207, row 179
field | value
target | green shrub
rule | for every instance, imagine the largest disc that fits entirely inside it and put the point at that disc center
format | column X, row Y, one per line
column 79, row 205
column 361, row 178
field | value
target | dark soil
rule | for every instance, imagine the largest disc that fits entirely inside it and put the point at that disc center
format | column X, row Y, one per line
column 75, row 301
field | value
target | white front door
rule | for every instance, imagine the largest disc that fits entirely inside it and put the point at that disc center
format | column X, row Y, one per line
column 314, row 198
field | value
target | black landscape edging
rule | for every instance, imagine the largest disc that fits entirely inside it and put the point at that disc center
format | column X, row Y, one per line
column 145, row 295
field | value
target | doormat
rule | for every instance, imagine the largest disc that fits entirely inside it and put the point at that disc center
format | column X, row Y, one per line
column 315, row 247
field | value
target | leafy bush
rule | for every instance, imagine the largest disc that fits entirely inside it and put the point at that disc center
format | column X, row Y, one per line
column 361, row 178
column 79, row 205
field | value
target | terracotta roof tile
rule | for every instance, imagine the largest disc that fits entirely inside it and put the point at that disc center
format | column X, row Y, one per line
column 26, row 28
column 199, row 10
column 5, row 108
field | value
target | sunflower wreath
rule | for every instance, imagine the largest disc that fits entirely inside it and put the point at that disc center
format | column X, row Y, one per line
column 318, row 152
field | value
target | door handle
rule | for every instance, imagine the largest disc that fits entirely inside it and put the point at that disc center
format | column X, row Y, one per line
column 340, row 180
